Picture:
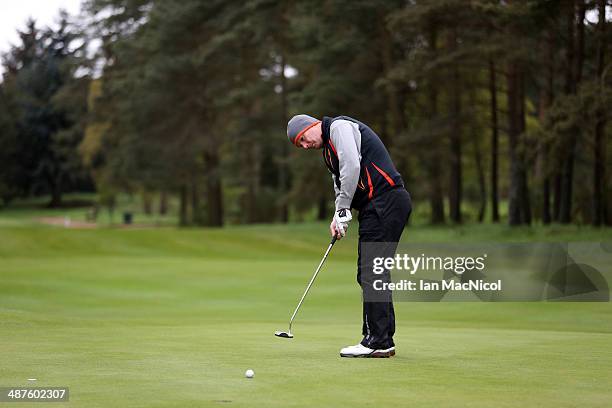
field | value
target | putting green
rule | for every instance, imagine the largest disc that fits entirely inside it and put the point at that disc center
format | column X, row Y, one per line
column 173, row 318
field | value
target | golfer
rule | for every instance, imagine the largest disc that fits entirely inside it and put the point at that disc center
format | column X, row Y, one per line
column 366, row 180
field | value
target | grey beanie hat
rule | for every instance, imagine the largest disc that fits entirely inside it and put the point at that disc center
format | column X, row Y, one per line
column 298, row 125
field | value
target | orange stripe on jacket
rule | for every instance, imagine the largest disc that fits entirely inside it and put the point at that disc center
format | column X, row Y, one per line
column 331, row 164
column 385, row 175
column 333, row 147
column 371, row 193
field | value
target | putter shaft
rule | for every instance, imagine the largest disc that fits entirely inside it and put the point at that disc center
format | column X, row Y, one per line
column 331, row 244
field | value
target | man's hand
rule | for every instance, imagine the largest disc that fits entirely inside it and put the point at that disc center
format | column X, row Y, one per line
column 340, row 223
column 332, row 229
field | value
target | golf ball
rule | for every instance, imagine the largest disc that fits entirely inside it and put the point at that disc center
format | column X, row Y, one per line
column 249, row 373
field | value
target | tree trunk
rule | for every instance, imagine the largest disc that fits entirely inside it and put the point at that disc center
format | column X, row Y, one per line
column 546, row 97
column 561, row 195
column 557, row 193
column 163, row 202
column 147, row 202
column 494, row 142
column 433, row 162
column 436, row 197
column 525, row 200
column 567, row 179
column 515, row 189
column 546, row 216
column 250, row 176
column 55, row 182
column 575, row 46
column 214, row 191
column 183, row 220
column 284, row 180
column 197, row 216
column 455, row 138
column 481, row 177
column 56, row 196
column 599, row 187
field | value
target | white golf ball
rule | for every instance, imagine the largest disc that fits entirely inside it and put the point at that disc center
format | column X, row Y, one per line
column 249, row 373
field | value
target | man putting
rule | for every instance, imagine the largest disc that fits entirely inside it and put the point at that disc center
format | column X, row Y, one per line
column 365, row 179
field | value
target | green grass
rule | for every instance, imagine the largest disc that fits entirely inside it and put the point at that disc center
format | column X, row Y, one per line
column 172, row 318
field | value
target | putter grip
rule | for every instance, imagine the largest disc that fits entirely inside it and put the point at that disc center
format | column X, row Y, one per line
column 333, row 241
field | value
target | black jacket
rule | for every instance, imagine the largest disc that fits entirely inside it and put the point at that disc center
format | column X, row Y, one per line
column 377, row 172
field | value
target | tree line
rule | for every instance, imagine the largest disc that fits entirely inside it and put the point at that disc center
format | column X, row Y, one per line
column 482, row 103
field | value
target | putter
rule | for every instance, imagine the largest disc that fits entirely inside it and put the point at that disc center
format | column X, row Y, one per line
column 288, row 334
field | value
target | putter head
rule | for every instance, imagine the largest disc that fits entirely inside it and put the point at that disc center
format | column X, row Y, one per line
column 286, row 335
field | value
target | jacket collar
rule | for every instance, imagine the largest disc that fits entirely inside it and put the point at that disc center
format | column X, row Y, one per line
column 325, row 127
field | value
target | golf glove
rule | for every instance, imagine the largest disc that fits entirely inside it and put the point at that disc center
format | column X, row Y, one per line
column 342, row 218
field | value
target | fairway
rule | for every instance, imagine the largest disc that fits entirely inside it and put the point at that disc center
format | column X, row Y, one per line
column 173, row 318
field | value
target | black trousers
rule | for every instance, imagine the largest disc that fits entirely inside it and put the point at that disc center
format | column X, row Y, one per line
column 382, row 220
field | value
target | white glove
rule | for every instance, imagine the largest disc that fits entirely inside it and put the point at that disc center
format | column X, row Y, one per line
column 342, row 217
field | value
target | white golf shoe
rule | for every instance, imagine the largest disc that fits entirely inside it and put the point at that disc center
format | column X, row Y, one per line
column 360, row 350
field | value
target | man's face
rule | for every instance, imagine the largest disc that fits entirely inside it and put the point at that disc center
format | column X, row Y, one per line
column 312, row 138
